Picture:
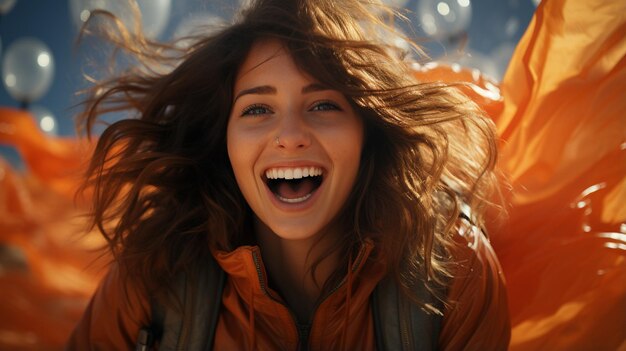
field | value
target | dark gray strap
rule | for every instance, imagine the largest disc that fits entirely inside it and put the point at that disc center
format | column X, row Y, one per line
column 399, row 323
column 201, row 298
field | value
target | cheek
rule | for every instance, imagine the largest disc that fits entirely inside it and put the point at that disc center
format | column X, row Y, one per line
column 346, row 148
column 237, row 152
column 243, row 151
column 352, row 145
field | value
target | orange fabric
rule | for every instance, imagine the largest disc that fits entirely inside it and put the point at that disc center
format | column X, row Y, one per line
column 342, row 321
column 275, row 327
column 561, row 116
column 113, row 317
column 477, row 318
column 45, row 273
column 563, row 126
column 55, row 162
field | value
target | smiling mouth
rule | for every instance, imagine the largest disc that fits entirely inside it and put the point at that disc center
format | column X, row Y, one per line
column 294, row 185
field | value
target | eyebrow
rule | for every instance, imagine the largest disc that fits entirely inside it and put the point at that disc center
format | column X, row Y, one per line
column 270, row 90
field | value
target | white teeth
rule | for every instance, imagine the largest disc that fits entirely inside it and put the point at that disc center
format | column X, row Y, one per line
column 293, row 173
column 293, row 201
column 297, row 173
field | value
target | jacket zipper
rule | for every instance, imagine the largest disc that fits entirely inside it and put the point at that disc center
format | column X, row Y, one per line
column 303, row 330
column 259, row 272
column 405, row 336
column 303, row 337
column 190, row 297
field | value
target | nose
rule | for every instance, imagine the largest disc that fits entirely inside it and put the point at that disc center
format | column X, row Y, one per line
column 293, row 133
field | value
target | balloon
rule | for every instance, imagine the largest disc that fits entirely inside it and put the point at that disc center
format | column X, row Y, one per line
column 45, row 119
column 199, row 24
column 444, row 19
column 154, row 13
column 27, row 69
column 501, row 56
column 477, row 62
column 6, row 6
column 244, row 3
column 394, row 38
column 397, row 4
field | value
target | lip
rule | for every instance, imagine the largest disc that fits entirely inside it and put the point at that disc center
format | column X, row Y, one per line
column 293, row 207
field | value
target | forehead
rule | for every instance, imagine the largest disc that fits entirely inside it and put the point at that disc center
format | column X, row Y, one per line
column 267, row 58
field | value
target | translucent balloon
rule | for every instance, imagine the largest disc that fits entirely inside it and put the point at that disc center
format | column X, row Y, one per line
column 396, row 3
column 45, row 119
column 243, row 4
column 444, row 19
column 199, row 24
column 27, row 69
column 501, row 56
column 6, row 6
column 154, row 13
column 394, row 38
column 475, row 61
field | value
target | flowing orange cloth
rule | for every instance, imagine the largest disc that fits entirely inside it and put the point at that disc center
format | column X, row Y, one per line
column 561, row 116
column 563, row 126
column 45, row 277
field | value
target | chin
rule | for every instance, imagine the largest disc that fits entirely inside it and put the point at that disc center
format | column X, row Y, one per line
column 291, row 233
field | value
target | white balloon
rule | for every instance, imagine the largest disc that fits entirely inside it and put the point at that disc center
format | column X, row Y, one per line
column 45, row 119
column 27, row 69
column 397, row 4
column 394, row 37
column 199, row 24
column 501, row 56
column 154, row 13
column 243, row 4
column 477, row 61
column 442, row 19
column 6, row 6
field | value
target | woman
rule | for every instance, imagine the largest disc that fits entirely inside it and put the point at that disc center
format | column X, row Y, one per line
column 301, row 154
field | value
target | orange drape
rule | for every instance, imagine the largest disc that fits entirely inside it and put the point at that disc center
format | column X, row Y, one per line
column 563, row 126
column 45, row 273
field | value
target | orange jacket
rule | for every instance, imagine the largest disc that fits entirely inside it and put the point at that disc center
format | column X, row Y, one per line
column 253, row 316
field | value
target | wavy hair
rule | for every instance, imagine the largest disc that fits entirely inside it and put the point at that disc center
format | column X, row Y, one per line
column 164, row 193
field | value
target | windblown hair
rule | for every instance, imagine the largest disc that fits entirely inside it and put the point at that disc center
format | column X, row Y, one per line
column 164, row 192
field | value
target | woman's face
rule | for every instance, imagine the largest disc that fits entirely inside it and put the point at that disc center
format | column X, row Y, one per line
column 294, row 144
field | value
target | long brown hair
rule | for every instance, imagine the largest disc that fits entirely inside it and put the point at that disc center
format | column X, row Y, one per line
column 164, row 191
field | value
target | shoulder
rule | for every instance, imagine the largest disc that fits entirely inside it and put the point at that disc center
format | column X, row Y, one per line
column 114, row 316
column 476, row 314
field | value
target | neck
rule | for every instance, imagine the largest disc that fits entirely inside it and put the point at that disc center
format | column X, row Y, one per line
column 289, row 263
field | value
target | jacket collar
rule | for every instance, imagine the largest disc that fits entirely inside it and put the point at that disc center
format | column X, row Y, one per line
column 246, row 270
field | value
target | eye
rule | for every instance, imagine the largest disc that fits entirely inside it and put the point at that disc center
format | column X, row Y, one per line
column 256, row 109
column 325, row 106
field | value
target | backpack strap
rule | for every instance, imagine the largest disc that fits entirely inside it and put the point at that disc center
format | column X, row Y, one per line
column 399, row 323
column 194, row 328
